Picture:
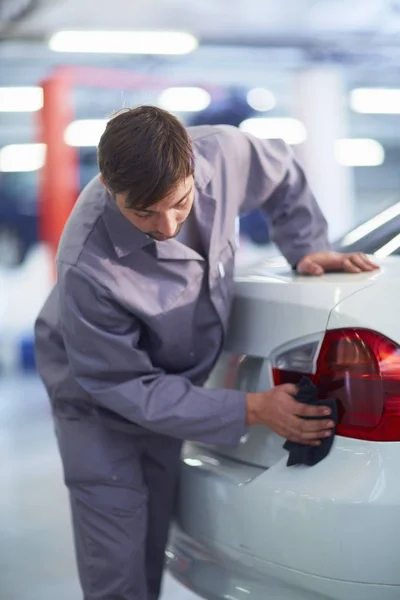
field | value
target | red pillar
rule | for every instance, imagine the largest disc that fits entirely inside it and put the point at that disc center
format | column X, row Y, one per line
column 59, row 179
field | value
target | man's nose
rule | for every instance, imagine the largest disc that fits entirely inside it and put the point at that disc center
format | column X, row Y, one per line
column 167, row 225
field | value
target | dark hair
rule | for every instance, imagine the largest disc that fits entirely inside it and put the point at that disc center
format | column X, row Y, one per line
column 144, row 152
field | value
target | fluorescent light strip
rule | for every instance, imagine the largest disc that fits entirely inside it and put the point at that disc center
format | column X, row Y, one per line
column 84, row 132
column 375, row 101
column 124, row 42
column 17, row 158
column 359, row 152
column 372, row 224
column 291, row 131
column 184, row 99
column 21, row 99
column 261, row 99
column 388, row 248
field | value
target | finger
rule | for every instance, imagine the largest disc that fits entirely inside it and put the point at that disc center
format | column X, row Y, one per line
column 305, row 410
column 294, row 436
column 315, row 426
column 309, row 430
column 316, row 435
column 289, row 388
column 375, row 265
column 349, row 267
column 362, row 262
column 311, row 437
column 369, row 262
column 309, row 268
column 366, row 257
column 312, row 430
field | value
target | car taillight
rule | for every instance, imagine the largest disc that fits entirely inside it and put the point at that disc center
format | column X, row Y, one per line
column 361, row 369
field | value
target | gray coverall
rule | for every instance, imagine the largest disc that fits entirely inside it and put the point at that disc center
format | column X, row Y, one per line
column 129, row 335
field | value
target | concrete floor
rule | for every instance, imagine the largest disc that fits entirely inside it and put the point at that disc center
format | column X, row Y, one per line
column 36, row 557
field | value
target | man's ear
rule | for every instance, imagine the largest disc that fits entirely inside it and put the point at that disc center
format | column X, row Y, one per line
column 105, row 185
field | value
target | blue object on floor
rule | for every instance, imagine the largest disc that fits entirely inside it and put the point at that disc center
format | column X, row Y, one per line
column 27, row 353
column 254, row 226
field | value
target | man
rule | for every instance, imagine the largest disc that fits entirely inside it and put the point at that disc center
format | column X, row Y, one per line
column 137, row 320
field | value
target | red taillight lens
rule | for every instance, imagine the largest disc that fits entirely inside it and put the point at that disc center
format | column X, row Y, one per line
column 361, row 369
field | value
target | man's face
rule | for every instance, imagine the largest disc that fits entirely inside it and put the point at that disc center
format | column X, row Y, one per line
column 163, row 220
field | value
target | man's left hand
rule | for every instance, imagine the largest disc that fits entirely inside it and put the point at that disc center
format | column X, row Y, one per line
column 321, row 262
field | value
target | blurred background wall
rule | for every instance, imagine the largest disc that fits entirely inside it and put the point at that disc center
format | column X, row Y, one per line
column 322, row 74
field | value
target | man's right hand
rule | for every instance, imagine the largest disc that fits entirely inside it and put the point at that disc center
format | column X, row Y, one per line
column 280, row 411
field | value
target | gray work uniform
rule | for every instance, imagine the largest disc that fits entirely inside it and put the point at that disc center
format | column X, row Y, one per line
column 128, row 337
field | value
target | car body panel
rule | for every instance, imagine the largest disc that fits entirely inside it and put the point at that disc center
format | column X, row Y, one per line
column 273, row 305
column 337, row 522
column 273, row 309
column 230, row 574
column 248, row 525
column 328, row 521
column 375, row 307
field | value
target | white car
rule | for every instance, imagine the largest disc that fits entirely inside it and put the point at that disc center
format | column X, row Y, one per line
column 249, row 526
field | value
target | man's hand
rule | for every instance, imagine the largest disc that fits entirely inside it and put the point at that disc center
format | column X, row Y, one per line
column 321, row 262
column 278, row 410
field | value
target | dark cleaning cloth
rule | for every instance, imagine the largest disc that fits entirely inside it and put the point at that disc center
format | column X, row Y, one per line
column 302, row 454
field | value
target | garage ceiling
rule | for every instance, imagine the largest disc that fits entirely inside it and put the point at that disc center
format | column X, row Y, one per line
column 271, row 39
column 220, row 19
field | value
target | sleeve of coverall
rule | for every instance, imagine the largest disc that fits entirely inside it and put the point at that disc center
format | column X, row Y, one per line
column 102, row 341
column 270, row 177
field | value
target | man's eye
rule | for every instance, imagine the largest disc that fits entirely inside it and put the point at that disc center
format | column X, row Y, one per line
column 183, row 203
column 142, row 215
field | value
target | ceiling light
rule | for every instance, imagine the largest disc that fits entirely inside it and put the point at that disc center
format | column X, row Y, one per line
column 291, row 131
column 261, row 99
column 359, row 153
column 85, row 132
column 22, row 157
column 21, row 99
column 124, row 42
column 184, row 99
column 375, row 101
